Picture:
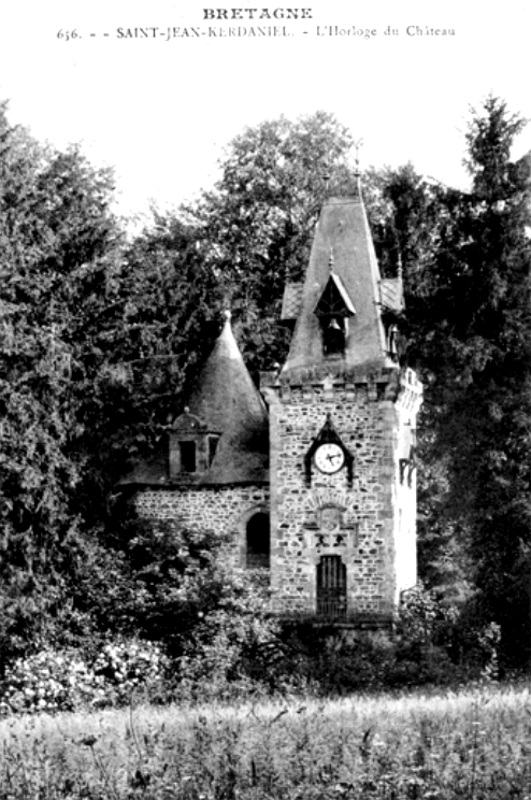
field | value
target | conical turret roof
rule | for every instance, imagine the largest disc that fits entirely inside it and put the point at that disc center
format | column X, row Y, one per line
column 224, row 403
column 227, row 401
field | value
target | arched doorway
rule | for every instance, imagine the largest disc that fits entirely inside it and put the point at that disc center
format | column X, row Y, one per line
column 257, row 542
column 332, row 587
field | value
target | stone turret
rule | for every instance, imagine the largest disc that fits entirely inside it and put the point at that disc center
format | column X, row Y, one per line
column 211, row 474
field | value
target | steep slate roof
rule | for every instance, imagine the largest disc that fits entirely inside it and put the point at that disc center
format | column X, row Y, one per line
column 291, row 301
column 343, row 230
column 392, row 294
column 227, row 400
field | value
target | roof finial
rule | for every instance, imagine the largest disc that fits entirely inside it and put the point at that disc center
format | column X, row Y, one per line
column 357, row 172
column 400, row 270
column 331, row 259
column 326, row 177
column 227, row 314
column 357, row 146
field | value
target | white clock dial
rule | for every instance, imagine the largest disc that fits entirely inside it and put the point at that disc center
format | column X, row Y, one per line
column 329, row 458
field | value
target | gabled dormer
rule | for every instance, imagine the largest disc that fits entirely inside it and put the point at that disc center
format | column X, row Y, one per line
column 333, row 309
column 192, row 448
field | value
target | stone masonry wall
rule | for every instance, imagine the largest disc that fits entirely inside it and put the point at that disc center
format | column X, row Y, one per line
column 360, row 523
column 219, row 509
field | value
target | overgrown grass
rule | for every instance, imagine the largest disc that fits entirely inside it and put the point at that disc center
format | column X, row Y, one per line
column 473, row 744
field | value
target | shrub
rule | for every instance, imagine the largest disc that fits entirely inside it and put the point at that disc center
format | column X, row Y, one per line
column 229, row 650
column 63, row 680
column 49, row 681
column 431, row 643
column 128, row 667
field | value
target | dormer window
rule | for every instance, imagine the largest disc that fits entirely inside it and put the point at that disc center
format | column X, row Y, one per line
column 192, row 448
column 333, row 310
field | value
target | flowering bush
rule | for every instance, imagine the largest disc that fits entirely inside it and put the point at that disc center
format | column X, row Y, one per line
column 127, row 666
column 49, row 681
column 64, row 681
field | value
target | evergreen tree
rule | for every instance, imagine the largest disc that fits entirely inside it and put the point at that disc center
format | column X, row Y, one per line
column 54, row 226
column 414, row 223
column 487, row 423
column 468, row 322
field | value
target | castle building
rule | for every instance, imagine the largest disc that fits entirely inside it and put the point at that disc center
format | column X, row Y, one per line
column 314, row 478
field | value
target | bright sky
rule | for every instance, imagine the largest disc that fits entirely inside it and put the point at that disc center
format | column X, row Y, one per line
column 160, row 111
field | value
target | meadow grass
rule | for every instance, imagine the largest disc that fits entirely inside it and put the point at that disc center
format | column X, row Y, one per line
column 475, row 743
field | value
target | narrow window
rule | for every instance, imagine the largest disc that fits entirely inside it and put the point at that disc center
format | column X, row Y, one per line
column 258, row 542
column 392, row 342
column 332, row 588
column 187, row 456
column 212, row 447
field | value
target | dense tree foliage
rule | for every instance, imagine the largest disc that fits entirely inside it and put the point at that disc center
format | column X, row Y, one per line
column 99, row 337
column 259, row 218
column 484, row 419
column 143, row 343
column 54, row 224
column 466, row 260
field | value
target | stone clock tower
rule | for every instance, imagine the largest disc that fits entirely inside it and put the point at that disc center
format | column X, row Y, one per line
column 318, row 497
column 342, row 416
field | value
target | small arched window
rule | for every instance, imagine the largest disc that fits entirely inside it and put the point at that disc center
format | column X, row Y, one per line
column 257, row 541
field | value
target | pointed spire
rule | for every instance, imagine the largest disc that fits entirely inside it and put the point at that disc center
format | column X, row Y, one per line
column 343, row 231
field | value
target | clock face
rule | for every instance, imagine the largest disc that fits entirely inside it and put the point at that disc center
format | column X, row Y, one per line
column 329, row 458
